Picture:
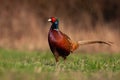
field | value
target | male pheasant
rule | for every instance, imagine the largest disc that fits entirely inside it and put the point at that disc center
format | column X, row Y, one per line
column 60, row 44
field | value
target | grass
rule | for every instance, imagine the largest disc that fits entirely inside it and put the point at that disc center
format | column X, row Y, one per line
column 24, row 65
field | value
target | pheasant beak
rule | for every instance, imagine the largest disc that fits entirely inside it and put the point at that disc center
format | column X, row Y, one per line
column 49, row 20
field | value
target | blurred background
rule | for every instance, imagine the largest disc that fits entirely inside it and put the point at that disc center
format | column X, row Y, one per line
column 24, row 26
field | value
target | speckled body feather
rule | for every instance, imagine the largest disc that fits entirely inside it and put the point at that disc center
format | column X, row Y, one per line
column 60, row 44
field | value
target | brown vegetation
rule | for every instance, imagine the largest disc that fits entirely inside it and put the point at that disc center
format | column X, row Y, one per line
column 23, row 23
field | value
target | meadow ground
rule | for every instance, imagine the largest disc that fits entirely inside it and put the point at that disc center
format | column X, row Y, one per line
column 40, row 65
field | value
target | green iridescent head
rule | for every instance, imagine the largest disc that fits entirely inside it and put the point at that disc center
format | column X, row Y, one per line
column 55, row 22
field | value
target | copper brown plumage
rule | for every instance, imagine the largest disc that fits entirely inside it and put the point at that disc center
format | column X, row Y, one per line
column 60, row 44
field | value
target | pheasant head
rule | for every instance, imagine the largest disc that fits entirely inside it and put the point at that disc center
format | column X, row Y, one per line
column 55, row 23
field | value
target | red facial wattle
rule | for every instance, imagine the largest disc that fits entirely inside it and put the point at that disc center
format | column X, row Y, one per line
column 53, row 19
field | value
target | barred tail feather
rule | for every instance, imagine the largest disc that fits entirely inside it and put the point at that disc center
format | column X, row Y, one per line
column 94, row 41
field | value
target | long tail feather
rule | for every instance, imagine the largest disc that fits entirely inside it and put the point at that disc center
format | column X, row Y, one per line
column 95, row 41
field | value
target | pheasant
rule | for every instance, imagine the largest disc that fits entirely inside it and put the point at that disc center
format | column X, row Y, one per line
column 60, row 44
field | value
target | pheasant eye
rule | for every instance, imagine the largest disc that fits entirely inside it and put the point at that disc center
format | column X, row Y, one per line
column 53, row 19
